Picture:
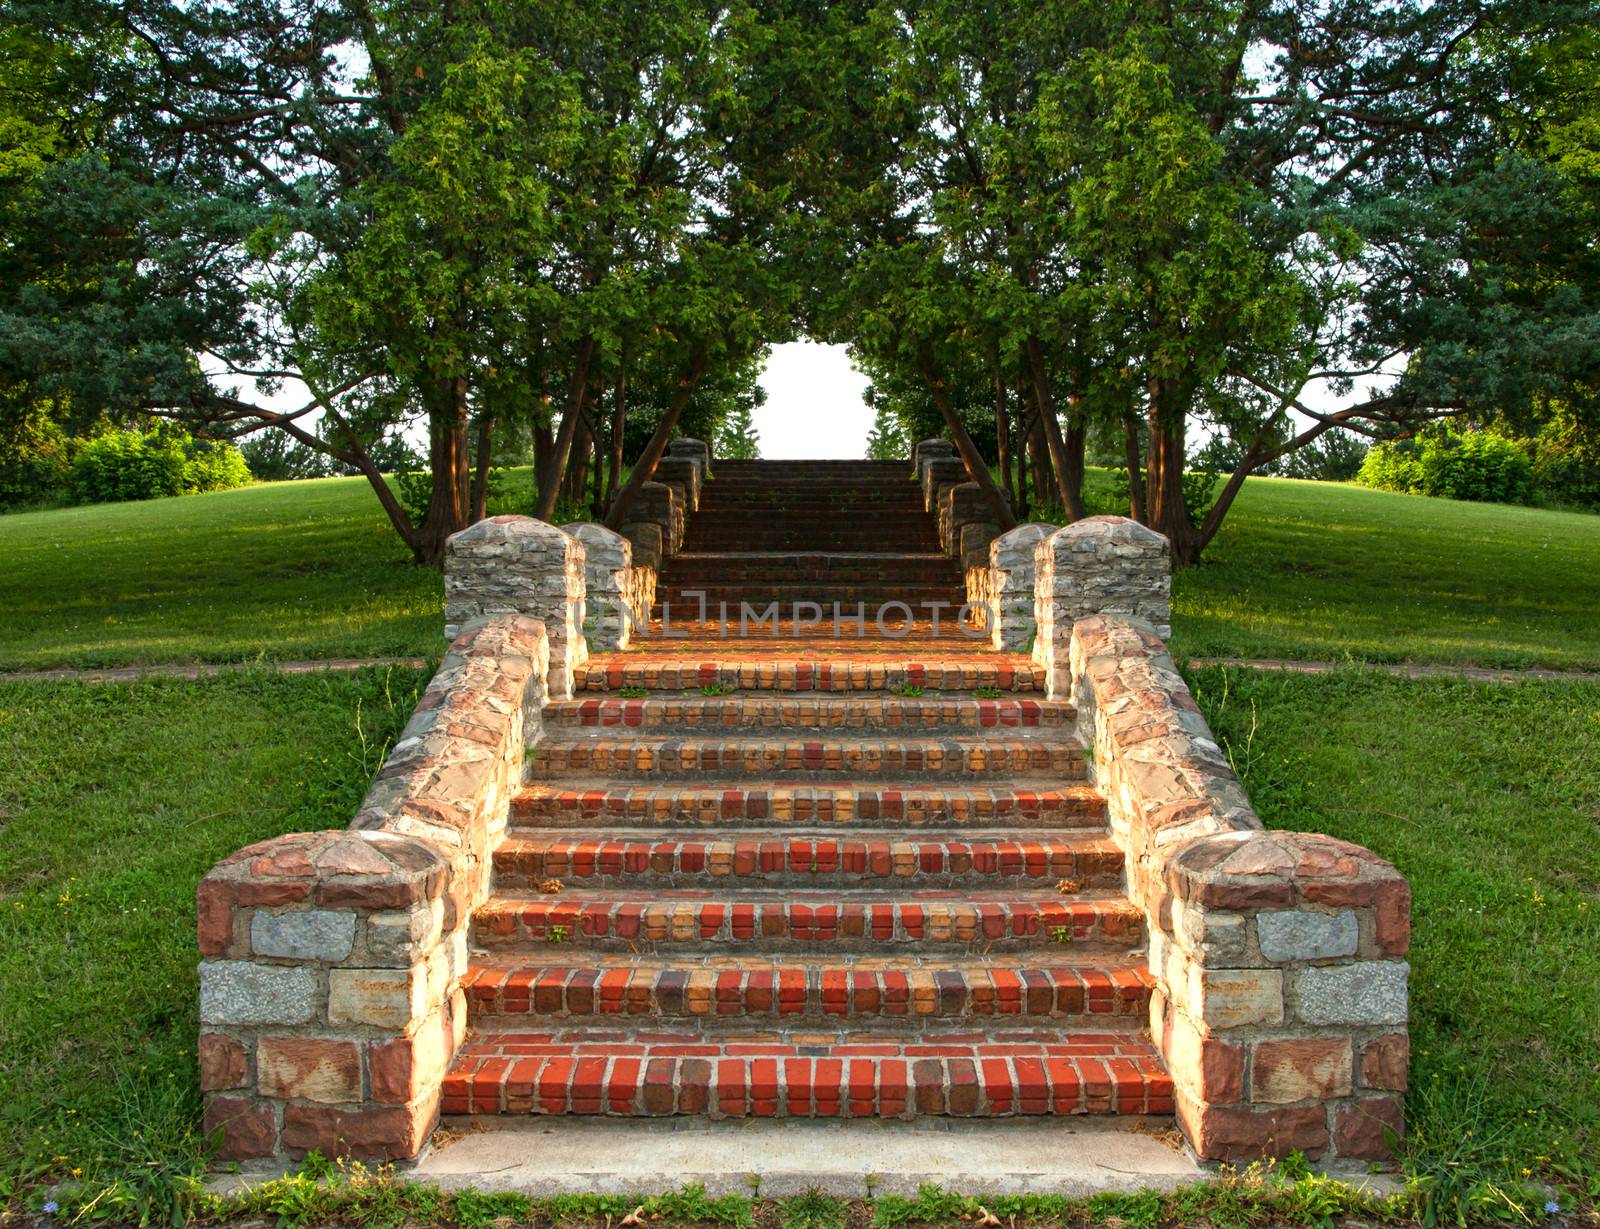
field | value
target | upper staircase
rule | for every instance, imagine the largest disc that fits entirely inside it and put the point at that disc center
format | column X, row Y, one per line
column 807, row 875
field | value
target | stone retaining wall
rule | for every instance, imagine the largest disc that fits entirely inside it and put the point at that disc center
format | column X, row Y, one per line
column 519, row 565
column 1099, row 565
column 1012, row 566
column 330, row 999
column 1281, row 984
column 617, row 594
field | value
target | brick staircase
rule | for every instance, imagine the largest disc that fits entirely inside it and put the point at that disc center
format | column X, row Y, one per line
column 820, row 531
column 835, row 882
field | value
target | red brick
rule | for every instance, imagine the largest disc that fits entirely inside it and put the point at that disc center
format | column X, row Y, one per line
column 1384, row 1062
column 386, row 1133
column 214, row 916
column 1362, row 1128
column 1238, row 1133
column 1394, row 916
column 1300, row 1069
column 223, row 1063
column 309, row 1069
column 248, row 1130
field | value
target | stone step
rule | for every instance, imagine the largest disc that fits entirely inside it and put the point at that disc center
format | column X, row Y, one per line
column 1052, row 804
column 904, row 920
column 883, row 668
column 502, row 993
column 851, row 711
column 995, row 1073
column 1068, row 859
column 635, row 756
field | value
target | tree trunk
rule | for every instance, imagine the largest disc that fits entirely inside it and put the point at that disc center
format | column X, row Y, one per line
column 1164, row 498
column 1135, row 463
column 645, row 467
column 550, row 479
column 619, row 420
column 1044, row 402
column 1002, row 435
column 480, row 481
column 1076, row 441
column 597, row 495
column 1037, row 453
column 977, row 468
column 451, row 472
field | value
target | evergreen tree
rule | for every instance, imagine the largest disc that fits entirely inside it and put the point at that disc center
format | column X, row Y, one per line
column 737, row 438
column 887, row 441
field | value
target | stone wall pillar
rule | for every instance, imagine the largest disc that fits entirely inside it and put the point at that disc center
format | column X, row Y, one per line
column 331, row 962
column 1278, row 958
column 661, row 503
column 1099, row 565
column 928, row 450
column 519, row 565
column 616, row 596
column 937, row 474
column 975, row 537
column 1011, row 577
column 958, row 505
column 685, row 473
column 696, row 450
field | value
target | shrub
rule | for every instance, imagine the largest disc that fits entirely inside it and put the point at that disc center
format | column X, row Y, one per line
column 34, row 467
column 1473, row 465
column 127, row 465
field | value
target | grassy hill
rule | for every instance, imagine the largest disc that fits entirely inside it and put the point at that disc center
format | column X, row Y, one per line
column 312, row 570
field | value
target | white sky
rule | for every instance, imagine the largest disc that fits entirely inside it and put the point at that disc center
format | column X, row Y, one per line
column 814, row 408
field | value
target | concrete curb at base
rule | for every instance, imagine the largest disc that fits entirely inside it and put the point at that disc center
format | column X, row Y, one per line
column 856, row 1160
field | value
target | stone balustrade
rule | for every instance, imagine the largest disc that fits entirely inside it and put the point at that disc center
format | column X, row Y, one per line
column 663, row 504
column 330, row 998
column 1280, row 1004
column 1099, row 565
column 1012, row 564
column 617, row 594
column 519, row 565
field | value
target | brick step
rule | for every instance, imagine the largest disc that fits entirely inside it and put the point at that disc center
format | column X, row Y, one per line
column 905, row 510
column 526, row 859
column 664, row 670
column 686, row 595
column 738, row 757
column 996, row 1073
column 712, row 537
column 851, row 711
column 798, row 919
column 795, row 566
column 1054, row 804
column 800, row 465
column 740, row 994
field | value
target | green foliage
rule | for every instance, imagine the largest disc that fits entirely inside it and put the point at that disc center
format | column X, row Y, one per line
column 888, row 439
column 35, row 463
column 813, row 1210
column 129, row 465
column 1475, row 465
column 737, row 438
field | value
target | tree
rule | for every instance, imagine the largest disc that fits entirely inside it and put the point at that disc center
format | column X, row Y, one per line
column 887, row 441
column 737, row 438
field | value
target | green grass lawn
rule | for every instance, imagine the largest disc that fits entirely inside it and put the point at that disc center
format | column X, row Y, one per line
column 114, row 802
column 312, row 569
column 1488, row 798
column 282, row 570
column 1313, row 570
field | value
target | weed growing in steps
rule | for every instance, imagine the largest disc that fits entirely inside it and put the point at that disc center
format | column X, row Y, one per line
column 1284, row 1193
